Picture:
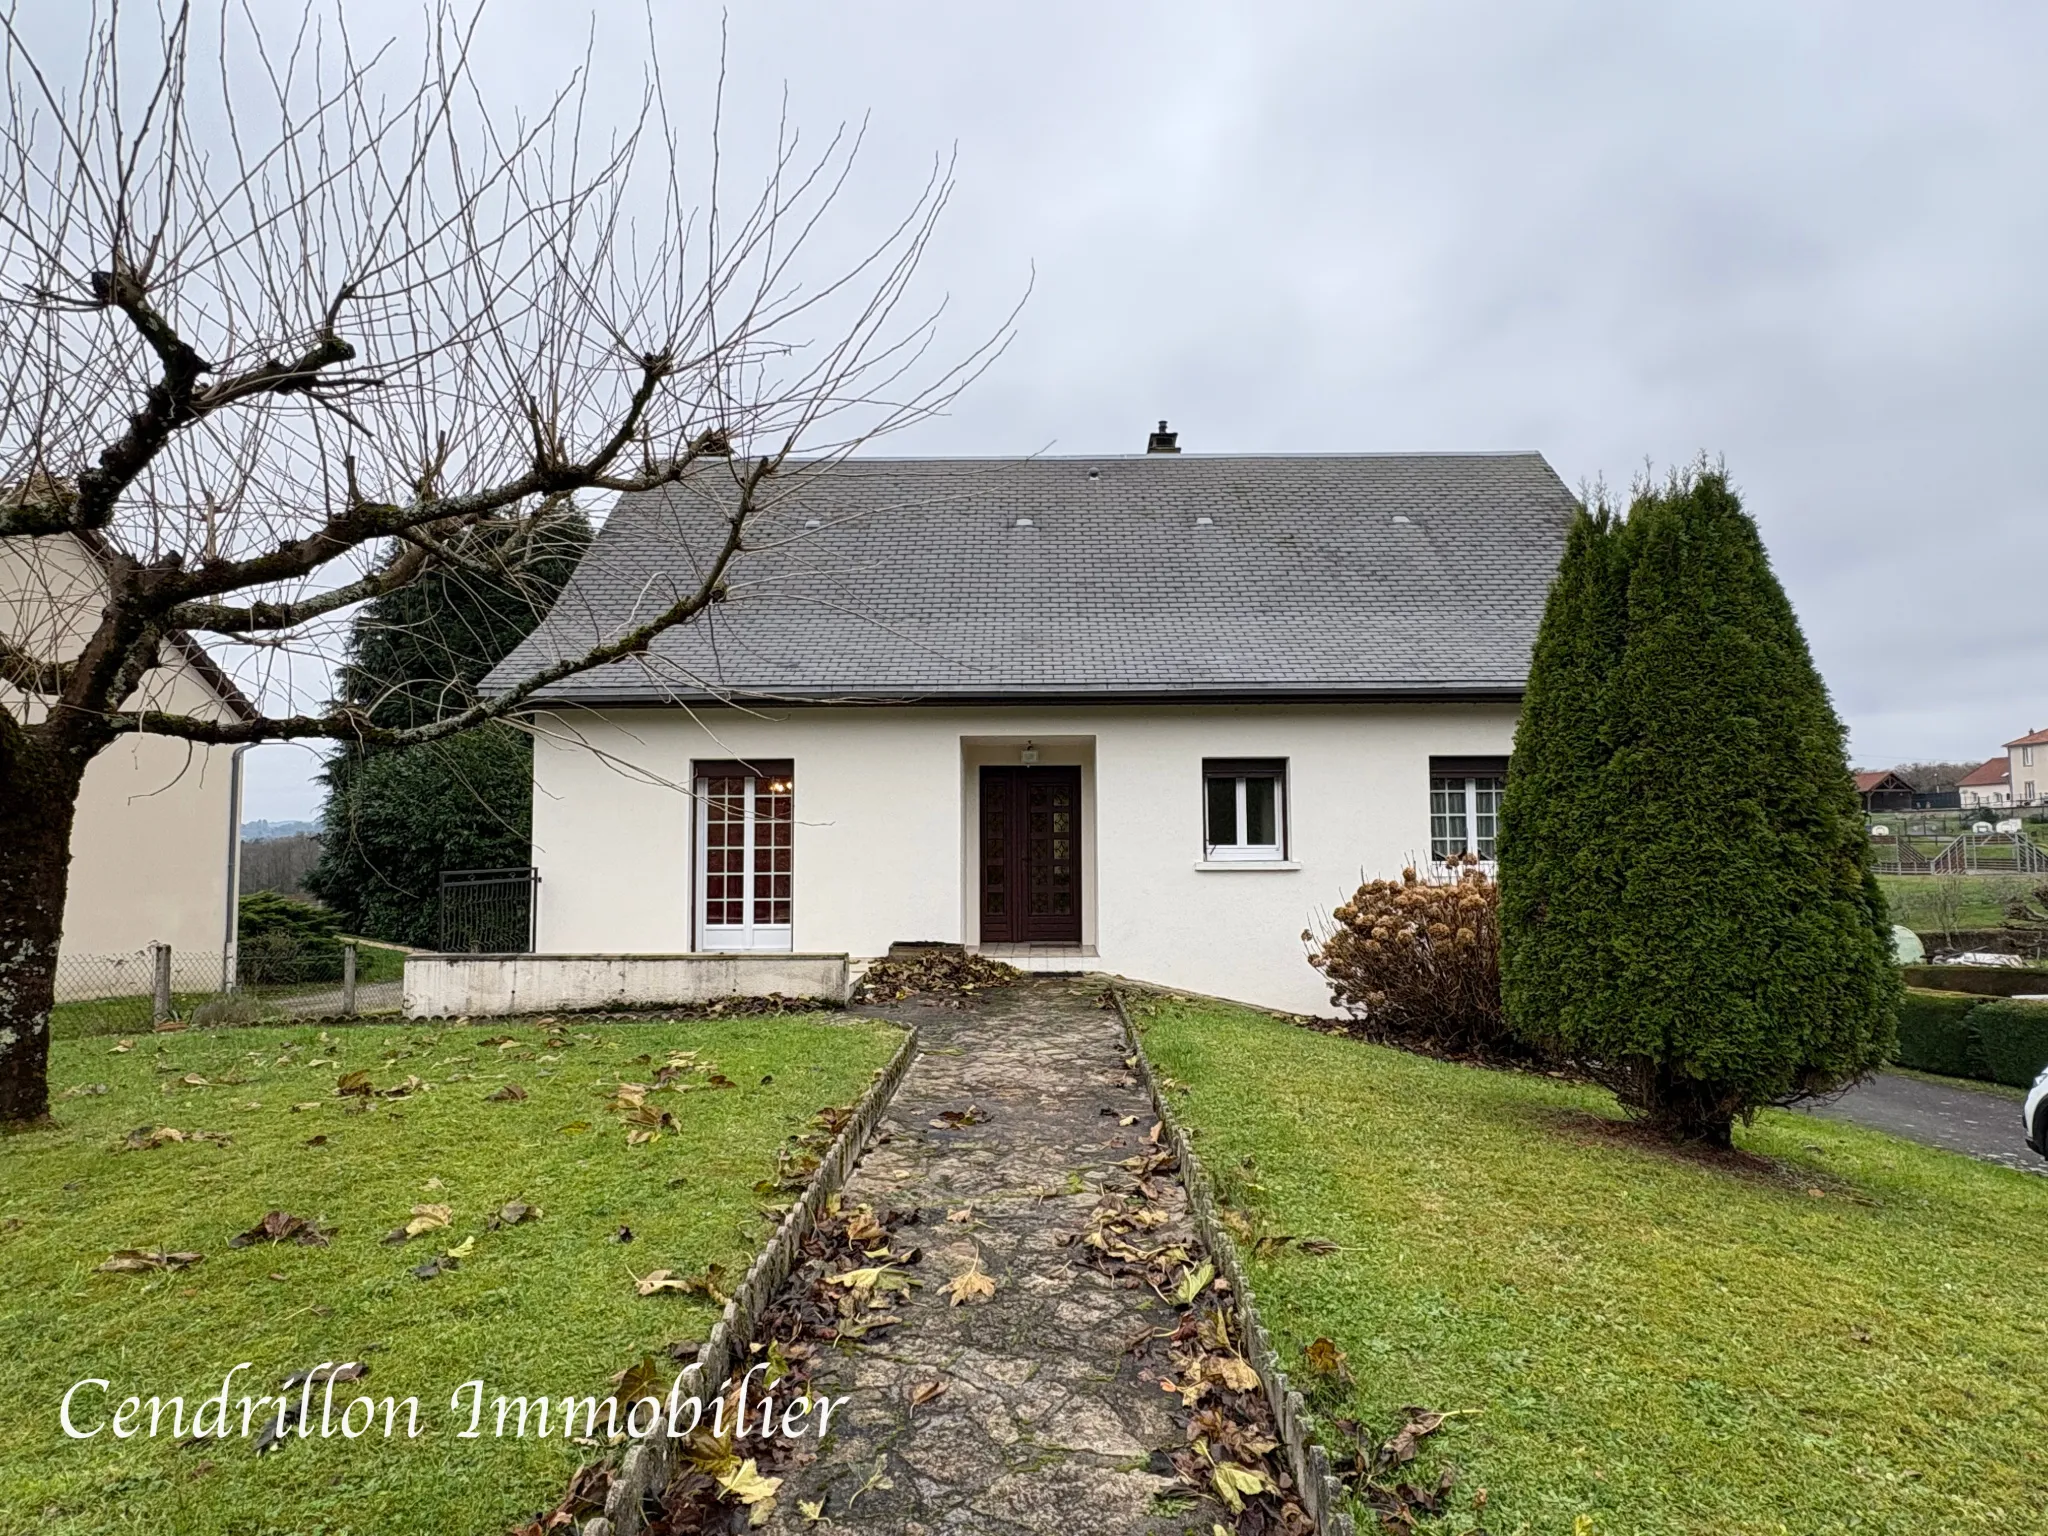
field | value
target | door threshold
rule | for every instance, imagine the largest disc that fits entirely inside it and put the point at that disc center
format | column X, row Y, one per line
column 1036, row 951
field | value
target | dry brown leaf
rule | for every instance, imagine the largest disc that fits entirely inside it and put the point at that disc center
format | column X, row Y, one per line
column 922, row 1392
column 511, row 1093
column 971, row 1284
column 140, row 1260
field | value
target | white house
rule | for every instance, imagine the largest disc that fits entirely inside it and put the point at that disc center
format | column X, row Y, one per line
column 2027, row 769
column 155, row 840
column 1147, row 714
column 1987, row 786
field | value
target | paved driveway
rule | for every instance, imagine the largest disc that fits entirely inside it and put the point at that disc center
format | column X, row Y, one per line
column 1972, row 1121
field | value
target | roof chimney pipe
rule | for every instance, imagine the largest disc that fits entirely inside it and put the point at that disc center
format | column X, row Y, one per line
column 1163, row 441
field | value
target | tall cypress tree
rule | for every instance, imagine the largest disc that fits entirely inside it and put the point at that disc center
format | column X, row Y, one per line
column 395, row 819
column 1704, row 899
column 1559, row 880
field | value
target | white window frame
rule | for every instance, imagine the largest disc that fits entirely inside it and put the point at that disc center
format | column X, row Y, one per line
column 1274, row 852
column 1468, row 788
column 747, row 936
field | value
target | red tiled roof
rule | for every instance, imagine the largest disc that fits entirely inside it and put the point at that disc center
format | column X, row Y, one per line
column 1997, row 771
column 1876, row 779
column 2032, row 739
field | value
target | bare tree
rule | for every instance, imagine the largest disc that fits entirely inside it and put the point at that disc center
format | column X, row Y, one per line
column 279, row 331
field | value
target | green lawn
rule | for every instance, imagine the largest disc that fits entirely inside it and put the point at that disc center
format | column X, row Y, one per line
column 1934, row 902
column 1849, row 1335
column 546, row 1306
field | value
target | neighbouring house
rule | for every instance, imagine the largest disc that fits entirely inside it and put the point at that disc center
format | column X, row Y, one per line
column 157, row 838
column 1989, row 787
column 2027, row 769
column 1150, row 714
column 1884, row 790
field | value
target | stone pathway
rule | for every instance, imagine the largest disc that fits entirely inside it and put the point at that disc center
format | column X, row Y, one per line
column 1044, row 1424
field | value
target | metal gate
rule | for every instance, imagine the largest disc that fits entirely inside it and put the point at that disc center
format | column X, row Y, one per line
column 488, row 911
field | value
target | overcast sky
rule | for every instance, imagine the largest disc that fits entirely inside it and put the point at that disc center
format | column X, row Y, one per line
column 1808, row 239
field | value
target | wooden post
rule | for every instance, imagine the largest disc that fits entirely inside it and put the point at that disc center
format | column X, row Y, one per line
column 160, row 957
column 348, row 979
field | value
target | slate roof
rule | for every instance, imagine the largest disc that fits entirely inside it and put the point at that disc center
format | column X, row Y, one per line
column 1313, row 576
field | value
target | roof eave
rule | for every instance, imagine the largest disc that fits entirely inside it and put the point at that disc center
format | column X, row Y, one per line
column 1490, row 692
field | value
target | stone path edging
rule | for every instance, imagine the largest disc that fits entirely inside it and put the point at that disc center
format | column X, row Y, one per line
column 1321, row 1494
column 648, row 1465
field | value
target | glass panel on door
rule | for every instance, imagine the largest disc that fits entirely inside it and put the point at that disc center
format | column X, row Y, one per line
column 745, row 869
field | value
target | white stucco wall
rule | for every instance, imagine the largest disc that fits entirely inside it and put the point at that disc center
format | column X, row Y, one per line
column 884, row 830
column 156, row 821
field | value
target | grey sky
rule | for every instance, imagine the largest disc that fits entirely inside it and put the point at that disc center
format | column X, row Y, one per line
column 1810, row 239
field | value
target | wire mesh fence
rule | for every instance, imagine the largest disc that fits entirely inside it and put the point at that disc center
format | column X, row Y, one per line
column 275, row 980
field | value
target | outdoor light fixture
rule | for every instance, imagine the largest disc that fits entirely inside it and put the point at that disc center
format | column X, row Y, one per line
column 1029, row 755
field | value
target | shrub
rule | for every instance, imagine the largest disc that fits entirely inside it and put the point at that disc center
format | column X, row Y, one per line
column 282, row 940
column 2012, row 1039
column 1689, row 911
column 1935, row 1034
column 1417, row 959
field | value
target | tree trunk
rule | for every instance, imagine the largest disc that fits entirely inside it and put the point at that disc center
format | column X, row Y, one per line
column 40, row 776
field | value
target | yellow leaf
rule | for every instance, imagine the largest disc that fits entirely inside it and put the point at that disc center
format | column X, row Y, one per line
column 1234, row 1484
column 814, row 1509
column 746, row 1484
column 425, row 1218
column 970, row 1285
column 1193, row 1283
column 1233, row 1372
column 463, row 1249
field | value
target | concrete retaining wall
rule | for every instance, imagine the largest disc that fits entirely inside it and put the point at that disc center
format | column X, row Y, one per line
column 483, row 986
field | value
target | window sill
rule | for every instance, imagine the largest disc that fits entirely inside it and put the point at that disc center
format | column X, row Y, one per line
column 1220, row 866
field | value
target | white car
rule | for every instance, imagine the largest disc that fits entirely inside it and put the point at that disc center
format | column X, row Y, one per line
column 2037, row 1115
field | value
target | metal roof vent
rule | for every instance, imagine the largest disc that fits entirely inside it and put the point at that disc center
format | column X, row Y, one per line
column 1024, row 522
column 1163, row 441
column 1205, row 521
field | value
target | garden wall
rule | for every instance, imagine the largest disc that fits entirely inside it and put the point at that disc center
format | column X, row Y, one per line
column 483, row 986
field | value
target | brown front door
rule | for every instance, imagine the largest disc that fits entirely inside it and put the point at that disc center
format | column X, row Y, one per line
column 1031, row 855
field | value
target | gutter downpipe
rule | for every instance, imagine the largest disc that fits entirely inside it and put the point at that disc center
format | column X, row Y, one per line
column 228, row 956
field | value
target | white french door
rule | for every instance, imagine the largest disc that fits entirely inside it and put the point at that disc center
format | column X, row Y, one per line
column 744, row 872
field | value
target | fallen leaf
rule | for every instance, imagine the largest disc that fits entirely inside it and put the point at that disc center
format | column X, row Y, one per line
column 1402, row 1447
column 923, row 1392
column 746, row 1484
column 300, row 1109
column 971, row 1284
column 1316, row 1245
column 463, row 1249
column 1324, row 1358
column 1126, row 1119
column 710, row 1284
column 120, row 1046
column 1234, row 1372
column 1234, row 1484
column 862, row 1227
column 954, row 1119
column 353, row 1085
column 623, row 1235
column 283, row 1227
column 194, row 1080
column 574, row 1128
column 316, row 1141
column 138, row 1260
column 964, row 1214
column 1193, row 1282
column 511, row 1093
column 814, row 1509
column 83, row 1090
column 512, row 1213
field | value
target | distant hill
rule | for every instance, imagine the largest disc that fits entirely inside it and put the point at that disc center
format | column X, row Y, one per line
column 269, row 831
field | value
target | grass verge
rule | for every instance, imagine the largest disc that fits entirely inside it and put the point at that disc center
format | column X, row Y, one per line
column 1834, row 1330
column 544, row 1306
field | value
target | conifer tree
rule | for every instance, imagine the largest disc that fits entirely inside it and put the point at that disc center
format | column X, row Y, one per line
column 1697, row 923
column 396, row 817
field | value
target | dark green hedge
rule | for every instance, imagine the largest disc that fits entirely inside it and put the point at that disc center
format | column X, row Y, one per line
column 283, row 941
column 1936, row 1035
column 2012, row 1040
